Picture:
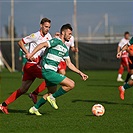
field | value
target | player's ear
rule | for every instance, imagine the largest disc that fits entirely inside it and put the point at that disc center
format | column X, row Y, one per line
column 41, row 25
column 63, row 32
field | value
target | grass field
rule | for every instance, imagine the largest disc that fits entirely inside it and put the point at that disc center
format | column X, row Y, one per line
column 74, row 113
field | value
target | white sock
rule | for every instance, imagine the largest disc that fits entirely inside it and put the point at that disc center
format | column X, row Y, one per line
column 123, row 88
column 34, row 108
column 119, row 75
column 51, row 96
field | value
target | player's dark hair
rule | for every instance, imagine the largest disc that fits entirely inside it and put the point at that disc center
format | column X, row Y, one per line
column 45, row 20
column 126, row 33
column 65, row 27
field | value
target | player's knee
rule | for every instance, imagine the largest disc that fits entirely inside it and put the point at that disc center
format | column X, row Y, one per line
column 72, row 84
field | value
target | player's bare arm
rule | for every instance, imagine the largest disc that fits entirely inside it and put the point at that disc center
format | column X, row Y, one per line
column 74, row 49
column 37, row 48
column 21, row 45
column 125, row 47
column 73, row 68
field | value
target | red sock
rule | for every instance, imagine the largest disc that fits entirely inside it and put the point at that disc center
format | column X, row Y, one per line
column 13, row 97
column 40, row 88
column 121, row 69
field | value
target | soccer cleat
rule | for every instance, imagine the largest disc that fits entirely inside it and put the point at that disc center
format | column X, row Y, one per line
column 122, row 92
column 52, row 101
column 33, row 97
column 4, row 109
column 35, row 111
column 120, row 80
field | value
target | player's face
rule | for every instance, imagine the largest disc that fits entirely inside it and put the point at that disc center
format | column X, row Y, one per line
column 127, row 36
column 45, row 27
column 67, row 35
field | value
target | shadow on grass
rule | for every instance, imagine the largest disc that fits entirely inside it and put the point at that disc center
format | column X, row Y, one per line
column 98, row 101
column 97, row 79
column 16, row 111
column 105, row 85
column 22, row 112
column 90, row 115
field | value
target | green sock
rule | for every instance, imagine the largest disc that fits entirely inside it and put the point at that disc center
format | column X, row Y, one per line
column 40, row 103
column 59, row 92
column 126, row 86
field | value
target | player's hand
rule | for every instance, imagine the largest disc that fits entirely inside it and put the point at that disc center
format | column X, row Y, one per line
column 20, row 58
column 76, row 50
column 119, row 55
column 84, row 76
column 28, row 55
column 32, row 59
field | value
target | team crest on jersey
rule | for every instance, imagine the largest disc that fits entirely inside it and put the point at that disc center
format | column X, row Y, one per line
column 32, row 35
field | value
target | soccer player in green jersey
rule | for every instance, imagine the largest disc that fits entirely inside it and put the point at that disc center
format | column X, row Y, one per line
column 57, row 51
column 129, row 48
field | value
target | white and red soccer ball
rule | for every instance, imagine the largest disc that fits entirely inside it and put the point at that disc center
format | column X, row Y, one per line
column 98, row 110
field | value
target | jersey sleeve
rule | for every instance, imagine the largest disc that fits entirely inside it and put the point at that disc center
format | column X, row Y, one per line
column 31, row 38
column 120, row 44
column 53, row 42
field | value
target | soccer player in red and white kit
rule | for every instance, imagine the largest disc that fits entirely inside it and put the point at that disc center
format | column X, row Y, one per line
column 124, row 57
column 32, row 68
column 61, row 68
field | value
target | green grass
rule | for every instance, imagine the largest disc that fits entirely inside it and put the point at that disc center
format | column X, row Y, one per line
column 74, row 114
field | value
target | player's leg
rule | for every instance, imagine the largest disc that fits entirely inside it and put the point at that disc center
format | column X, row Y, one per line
column 67, row 85
column 23, row 89
column 120, row 72
column 128, row 84
column 129, row 69
column 35, row 70
column 42, row 86
column 42, row 101
column 126, row 60
column 52, row 79
column 39, row 89
column 26, row 83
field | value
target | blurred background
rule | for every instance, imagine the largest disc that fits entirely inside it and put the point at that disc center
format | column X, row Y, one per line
column 98, row 27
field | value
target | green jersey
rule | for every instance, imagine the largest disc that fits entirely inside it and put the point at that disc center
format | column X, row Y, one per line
column 57, row 51
column 131, row 41
column 21, row 53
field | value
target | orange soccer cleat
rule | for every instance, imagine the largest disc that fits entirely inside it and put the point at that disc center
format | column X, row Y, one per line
column 4, row 109
column 121, row 92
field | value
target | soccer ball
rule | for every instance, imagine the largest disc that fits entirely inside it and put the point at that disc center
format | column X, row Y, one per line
column 98, row 110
